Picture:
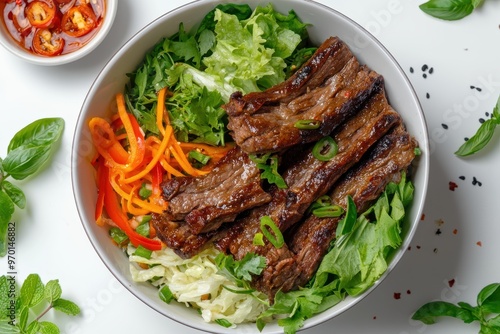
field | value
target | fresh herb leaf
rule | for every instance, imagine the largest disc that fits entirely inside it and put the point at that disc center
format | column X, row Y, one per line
column 15, row 193
column 268, row 164
column 240, row 271
column 449, row 9
column 33, row 301
column 487, row 311
column 483, row 135
column 28, row 151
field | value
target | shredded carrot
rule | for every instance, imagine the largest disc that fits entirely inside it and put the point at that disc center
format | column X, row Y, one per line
column 133, row 159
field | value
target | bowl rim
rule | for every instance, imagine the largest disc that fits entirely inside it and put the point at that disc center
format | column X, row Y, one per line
column 423, row 166
column 11, row 46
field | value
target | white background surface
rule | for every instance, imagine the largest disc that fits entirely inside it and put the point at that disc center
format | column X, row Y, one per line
column 51, row 241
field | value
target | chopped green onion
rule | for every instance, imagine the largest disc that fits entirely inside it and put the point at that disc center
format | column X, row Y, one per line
column 118, row 235
column 223, row 323
column 417, row 151
column 143, row 252
column 198, row 156
column 277, row 239
column 145, row 191
column 307, row 124
column 143, row 229
column 165, row 294
column 258, row 239
column 239, row 292
column 330, row 211
column 325, row 149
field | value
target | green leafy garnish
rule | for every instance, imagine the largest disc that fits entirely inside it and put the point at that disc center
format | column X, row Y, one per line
column 268, row 164
column 28, row 151
column 165, row 294
column 357, row 258
column 483, row 135
column 487, row 311
column 240, row 271
column 224, row 323
column 450, row 9
column 274, row 236
column 21, row 310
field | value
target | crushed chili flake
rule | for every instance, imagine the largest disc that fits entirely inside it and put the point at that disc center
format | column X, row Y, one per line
column 397, row 295
column 455, row 231
column 479, row 243
column 422, row 217
column 418, row 247
column 439, row 222
column 409, row 248
column 451, row 283
column 452, row 185
column 374, row 317
column 408, row 292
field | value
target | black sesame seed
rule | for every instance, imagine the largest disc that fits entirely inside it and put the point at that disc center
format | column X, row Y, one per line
column 472, row 87
column 427, row 95
column 424, row 75
column 411, row 70
column 424, row 67
column 481, row 120
column 487, row 114
column 461, row 177
column 478, row 89
column 445, row 126
column 466, row 138
column 438, row 231
column 431, row 70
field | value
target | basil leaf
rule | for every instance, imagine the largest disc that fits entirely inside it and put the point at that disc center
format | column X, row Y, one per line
column 15, row 193
column 6, row 212
column 489, row 298
column 39, row 133
column 448, row 9
column 479, row 140
column 25, row 160
column 428, row 312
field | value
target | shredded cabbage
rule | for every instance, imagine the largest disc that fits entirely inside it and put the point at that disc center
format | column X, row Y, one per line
column 196, row 283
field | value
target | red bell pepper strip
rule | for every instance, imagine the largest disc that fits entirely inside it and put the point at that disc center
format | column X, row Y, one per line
column 157, row 178
column 113, row 209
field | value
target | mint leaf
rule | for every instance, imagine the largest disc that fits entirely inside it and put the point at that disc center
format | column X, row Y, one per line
column 66, row 306
column 448, row 9
column 52, row 291
column 32, row 291
column 48, row 328
column 6, row 211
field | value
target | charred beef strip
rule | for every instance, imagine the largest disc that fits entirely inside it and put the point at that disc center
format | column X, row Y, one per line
column 310, row 240
column 309, row 179
column 199, row 205
column 329, row 88
column 204, row 203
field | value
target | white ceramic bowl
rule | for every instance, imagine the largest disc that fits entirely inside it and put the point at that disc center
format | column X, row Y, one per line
column 325, row 22
column 12, row 46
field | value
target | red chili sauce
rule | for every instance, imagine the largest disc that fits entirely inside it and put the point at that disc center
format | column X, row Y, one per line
column 52, row 27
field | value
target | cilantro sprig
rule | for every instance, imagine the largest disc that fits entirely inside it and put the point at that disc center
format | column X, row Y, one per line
column 22, row 310
column 483, row 135
column 268, row 164
column 487, row 311
column 450, row 10
column 28, row 151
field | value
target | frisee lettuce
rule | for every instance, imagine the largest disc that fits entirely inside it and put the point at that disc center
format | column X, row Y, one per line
column 357, row 258
column 233, row 49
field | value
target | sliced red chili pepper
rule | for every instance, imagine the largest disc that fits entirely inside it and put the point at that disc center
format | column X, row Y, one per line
column 157, row 178
column 79, row 21
column 114, row 212
column 47, row 43
column 42, row 14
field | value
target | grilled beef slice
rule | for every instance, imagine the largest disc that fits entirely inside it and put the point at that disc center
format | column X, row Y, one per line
column 309, row 179
column 311, row 238
column 198, row 205
column 329, row 88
